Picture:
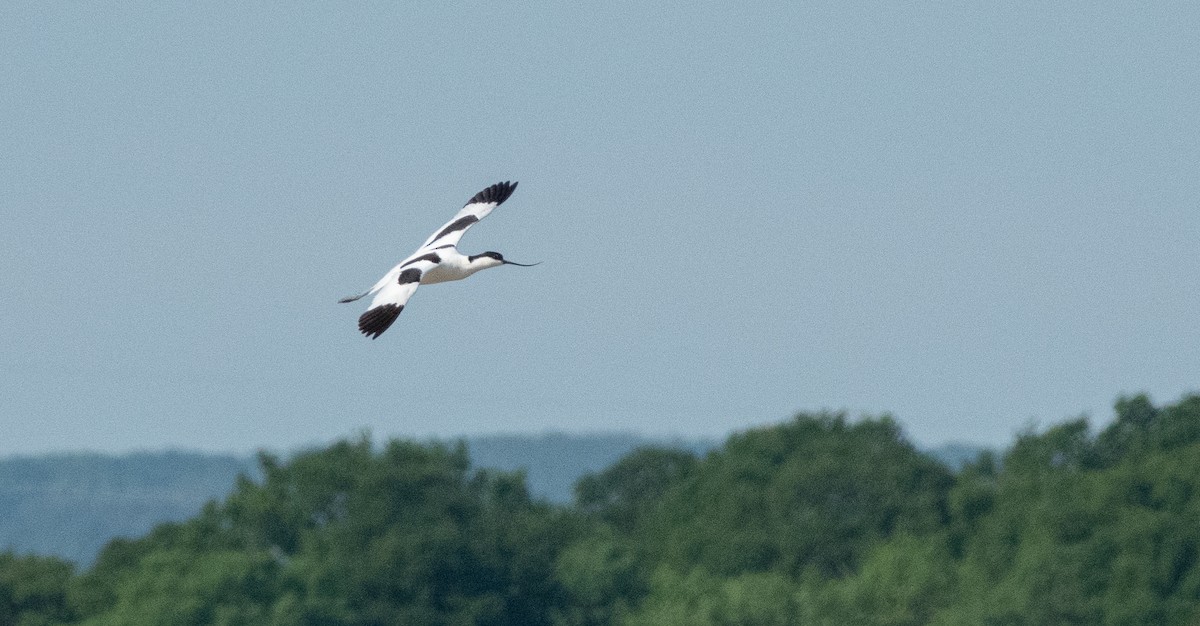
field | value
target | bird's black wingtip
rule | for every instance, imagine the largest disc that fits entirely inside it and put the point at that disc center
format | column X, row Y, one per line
column 497, row 193
column 378, row 319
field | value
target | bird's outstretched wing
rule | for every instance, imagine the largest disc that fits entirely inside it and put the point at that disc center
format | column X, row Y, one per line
column 390, row 297
column 476, row 209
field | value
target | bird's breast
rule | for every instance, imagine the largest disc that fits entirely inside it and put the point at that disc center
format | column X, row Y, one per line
column 443, row 273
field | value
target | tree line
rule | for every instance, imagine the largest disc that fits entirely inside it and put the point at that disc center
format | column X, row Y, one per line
column 819, row 520
column 71, row 504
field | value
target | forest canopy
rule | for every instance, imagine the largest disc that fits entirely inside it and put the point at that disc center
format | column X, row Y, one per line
column 819, row 520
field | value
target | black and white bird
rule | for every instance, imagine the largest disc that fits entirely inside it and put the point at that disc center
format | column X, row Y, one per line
column 436, row 261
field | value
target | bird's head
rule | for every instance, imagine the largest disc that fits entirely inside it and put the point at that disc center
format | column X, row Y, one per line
column 494, row 259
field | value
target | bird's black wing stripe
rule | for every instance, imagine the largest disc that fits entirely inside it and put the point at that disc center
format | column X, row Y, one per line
column 459, row 224
column 410, row 275
column 432, row 256
column 497, row 193
column 376, row 320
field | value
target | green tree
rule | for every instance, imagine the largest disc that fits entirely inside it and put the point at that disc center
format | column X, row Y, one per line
column 33, row 590
column 902, row 582
column 185, row 587
column 815, row 492
column 602, row 577
column 347, row 535
column 634, row 485
column 699, row 598
column 1083, row 530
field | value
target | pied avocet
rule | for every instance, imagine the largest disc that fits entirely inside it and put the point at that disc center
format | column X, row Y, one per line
column 436, row 261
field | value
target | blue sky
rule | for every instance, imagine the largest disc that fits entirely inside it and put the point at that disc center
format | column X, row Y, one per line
column 972, row 217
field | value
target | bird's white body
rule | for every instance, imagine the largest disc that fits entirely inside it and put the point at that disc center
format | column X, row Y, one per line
column 436, row 261
column 456, row 266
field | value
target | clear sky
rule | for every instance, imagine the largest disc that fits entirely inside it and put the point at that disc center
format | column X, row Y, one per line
column 973, row 216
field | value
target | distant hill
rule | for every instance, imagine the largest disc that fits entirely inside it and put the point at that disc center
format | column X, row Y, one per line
column 70, row 505
column 956, row 455
column 553, row 462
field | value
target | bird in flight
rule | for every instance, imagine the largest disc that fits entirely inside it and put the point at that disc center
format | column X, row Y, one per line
column 436, row 261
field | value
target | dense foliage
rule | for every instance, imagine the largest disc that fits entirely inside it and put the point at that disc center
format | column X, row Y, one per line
column 819, row 520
